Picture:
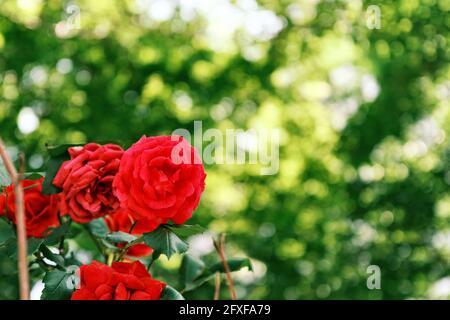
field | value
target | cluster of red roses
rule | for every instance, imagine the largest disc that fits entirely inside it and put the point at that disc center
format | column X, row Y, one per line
column 134, row 190
column 122, row 281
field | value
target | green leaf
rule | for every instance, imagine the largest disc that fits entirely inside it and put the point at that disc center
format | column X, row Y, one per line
column 120, row 237
column 10, row 246
column 34, row 244
column 6, row 231
column 98, row 228
column 186, row 230
column 170, row 293
column 60, row 150
column 5, row 180
column 191, row 268
column 109, row 245
column 59, row 285
column 58, row 154
column 53, row 165
column 55, row 234
column 234, row 265
column 164, row 241
column 34, row 175
column 56, row 258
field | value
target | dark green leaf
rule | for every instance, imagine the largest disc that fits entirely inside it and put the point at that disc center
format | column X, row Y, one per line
column 56, row 234
column 9, row 247
column 34, row 244
column 56, row 258
column 59, row 285
column 234, row 265
column 58, row 154
column 60, row 150
column 36, row 271
column 120, row 237
column 53, row 166
column 170, row 293
column 6, row 231
column 191, row 268
column 34, row 175
column 185, row 230
column 98, row 228
column 164, row 241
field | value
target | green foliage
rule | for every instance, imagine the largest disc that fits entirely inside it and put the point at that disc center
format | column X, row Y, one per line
column 59, row 285
column 185, row 230
column 9, row 247
column 56, row 258
column 57, row 156
column 34, row 175
column 55, row 234
column 191, row 268
column 98, row 228
column 234, row 265
column 6, row 231
column 170, row 293
column 120, row 237
column 164, row 241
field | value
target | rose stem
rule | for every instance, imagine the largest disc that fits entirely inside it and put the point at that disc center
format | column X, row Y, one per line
column 217, row 286
column 220, row 248
column 16, row 178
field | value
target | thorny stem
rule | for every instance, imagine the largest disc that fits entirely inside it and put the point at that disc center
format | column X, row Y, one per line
column 16, row 178
column 219, row 244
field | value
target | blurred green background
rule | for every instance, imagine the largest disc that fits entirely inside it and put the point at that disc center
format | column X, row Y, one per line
column 364, row 115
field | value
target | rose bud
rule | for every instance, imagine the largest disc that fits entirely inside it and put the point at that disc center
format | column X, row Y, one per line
column 122, row 281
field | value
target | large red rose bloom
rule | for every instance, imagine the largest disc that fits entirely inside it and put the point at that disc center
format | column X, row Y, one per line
column 122, row 281
column 41, row 211
column 86, row 181
column 156, row 183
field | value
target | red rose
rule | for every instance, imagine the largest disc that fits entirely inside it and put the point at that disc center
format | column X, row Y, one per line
column 122, row 221
column 86, row 181
column 41, row 211
column 2, row 204
column 160, row 179
column 122, row 281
